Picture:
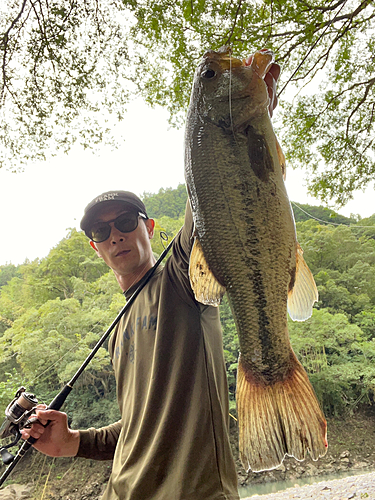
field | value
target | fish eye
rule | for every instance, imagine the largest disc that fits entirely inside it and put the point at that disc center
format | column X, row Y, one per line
column 208, row 73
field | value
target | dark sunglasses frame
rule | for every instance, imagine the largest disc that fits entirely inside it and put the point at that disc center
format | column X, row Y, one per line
column 125, row 223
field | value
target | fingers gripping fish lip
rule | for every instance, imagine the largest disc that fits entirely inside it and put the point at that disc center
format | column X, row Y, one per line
column 260, row 62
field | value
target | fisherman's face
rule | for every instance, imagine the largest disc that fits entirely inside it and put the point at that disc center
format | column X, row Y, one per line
column 129, row 255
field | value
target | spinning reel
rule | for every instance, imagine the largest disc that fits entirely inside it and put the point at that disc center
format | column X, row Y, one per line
column 17, row 416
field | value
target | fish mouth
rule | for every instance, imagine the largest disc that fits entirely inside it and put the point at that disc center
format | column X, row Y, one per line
column 224, row 58
column 260, row 61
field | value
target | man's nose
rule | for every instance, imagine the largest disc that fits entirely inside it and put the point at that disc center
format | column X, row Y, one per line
column 116, row 235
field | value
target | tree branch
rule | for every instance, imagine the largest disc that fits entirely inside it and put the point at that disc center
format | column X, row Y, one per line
column 4, row 47
column 234, row 23
column 370, row 84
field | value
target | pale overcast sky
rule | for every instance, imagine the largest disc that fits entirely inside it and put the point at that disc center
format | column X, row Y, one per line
column 40, row 204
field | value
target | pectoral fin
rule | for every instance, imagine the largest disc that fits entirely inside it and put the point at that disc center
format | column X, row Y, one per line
column 304, row 293
column 205, row 286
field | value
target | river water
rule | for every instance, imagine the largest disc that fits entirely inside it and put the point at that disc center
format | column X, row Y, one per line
column 276, row 486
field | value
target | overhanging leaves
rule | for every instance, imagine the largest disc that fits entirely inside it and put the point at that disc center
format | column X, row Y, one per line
column 68, row 66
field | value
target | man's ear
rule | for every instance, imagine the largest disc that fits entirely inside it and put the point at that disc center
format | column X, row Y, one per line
column 150, row 224
column 92, row 244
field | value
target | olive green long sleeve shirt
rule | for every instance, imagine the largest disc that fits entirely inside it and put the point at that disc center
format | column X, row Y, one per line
column 172, row 441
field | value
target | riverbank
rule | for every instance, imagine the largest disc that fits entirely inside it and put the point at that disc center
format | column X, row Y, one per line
column 351, row 451
column 352, row 487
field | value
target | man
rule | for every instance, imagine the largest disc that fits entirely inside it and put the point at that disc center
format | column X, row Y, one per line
column 172, row 440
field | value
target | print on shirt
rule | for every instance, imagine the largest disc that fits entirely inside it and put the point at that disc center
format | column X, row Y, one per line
column 142, row 323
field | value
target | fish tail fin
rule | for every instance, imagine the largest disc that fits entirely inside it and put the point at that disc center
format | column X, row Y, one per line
column 279, row 419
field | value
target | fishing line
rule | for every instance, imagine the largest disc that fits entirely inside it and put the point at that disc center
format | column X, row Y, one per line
column 230, row 96
column 64, row 355
column 41, row 471
column 164, row 239
column 332, row 223
column 285, row 195
column 230, row 93
column 49, row 368
column 47, row 479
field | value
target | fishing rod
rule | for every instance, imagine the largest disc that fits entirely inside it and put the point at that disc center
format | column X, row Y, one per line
column 20, row 409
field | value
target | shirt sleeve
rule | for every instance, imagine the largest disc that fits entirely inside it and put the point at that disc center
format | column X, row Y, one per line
column 187, row 233
column 177, row 265
column 99, row 444
column 185, row 239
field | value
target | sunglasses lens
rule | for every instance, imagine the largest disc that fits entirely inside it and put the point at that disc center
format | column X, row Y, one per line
column 126, row 223
column 100, row 232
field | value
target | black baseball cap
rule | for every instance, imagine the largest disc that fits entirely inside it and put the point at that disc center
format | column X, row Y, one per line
column 97, row 204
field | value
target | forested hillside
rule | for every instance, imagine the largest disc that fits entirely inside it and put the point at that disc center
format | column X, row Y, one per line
column 53, row 310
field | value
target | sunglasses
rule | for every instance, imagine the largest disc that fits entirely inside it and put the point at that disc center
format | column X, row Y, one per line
column 125, row 223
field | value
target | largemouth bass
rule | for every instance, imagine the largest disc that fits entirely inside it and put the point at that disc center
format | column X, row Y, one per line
column 245, row 244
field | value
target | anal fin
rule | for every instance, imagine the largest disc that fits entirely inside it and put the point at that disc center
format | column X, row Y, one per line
column 278, row 419
column 205, row 286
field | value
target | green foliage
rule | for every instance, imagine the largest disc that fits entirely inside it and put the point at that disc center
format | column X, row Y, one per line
column 53, row 311
column 52, row 314
column 168, row 208
column 342, row 260
column 7, row 272
column 68, row 69
column 330, row 131
column 88, row 409
column 339, row 360
column 231, row 348
column 336, row 345
column 366, row 321
column 166, row 203
column 53, row 69
column 8, row 388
